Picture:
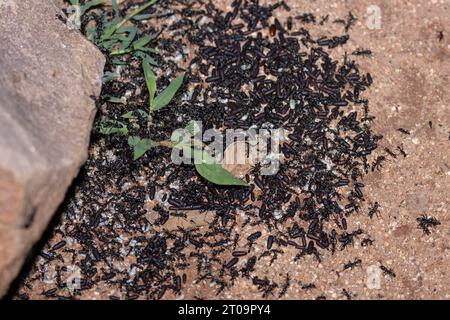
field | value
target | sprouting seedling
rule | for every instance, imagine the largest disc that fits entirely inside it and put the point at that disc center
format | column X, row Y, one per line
column 116, row 32
column 205, row 164
column 166, row 96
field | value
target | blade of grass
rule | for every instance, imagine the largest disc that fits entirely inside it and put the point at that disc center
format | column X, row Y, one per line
column 142, row 17
column 167, row 95
column 115, row 7
column 142, row 42
column 143, row 56
column 150, row 79
column 108, row 33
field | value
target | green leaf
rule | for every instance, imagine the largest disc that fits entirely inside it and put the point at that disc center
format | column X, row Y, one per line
column 110, row 31
column 142, row 113
column 167, row 95
column 91, row 4
column 126, row 42
column 150, row 79
column 142, row 42
column 142, row 17
column 128, row 115
column 109, row 76
column 143, row 56
column 118, row 62
column 214, row 172
column 109, row 44
column 115, row 7
column 141, row 146
column 112, row 127
column 115, row 99
column 149, row 50
column 193, row 127
column 133, row 115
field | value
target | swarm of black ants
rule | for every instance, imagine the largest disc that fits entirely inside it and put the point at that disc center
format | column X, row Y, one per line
column 249, row 70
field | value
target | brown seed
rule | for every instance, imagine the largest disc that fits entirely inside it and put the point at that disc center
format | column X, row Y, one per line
column 272, row 30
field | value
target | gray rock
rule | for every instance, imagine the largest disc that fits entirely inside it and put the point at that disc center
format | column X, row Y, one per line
column 49, row 78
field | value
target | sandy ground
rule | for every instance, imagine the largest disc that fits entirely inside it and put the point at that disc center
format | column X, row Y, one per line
column 411, row 71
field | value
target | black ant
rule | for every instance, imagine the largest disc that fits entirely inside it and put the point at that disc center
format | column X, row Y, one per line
column 388, row 271
column 366, row 242
column 362, row 52
column 402, row 151
column 404, row 131
column 389, row 152
column 377, row 164
column 426, row 222
column 347, row 294
column 351, row 264
column 285, row 286
column 373, row 209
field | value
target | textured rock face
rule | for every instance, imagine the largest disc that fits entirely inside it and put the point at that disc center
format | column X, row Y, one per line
column 49, row 78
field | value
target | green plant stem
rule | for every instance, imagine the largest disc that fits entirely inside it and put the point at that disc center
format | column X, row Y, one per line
column 128, row 18
column 167, row 144
column 150, row 112
column 149, row 119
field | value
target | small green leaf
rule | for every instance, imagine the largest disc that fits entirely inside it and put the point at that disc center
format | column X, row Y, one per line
column 142, row 42
column 108, row 44
column 133, row 141
column 142, row 113
column 167, row 95
column 193, row 127
column 128, row 115
column 214, row 172
column 115, row 99
column 149, row 50
column 112, row 127
column 142, row 17
column 118, row 62
column 141, row 146
column 128, row 39
column 91, row 4
column 109, row 76
column 115, row 7
column 144, row 56
column 150, row 79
